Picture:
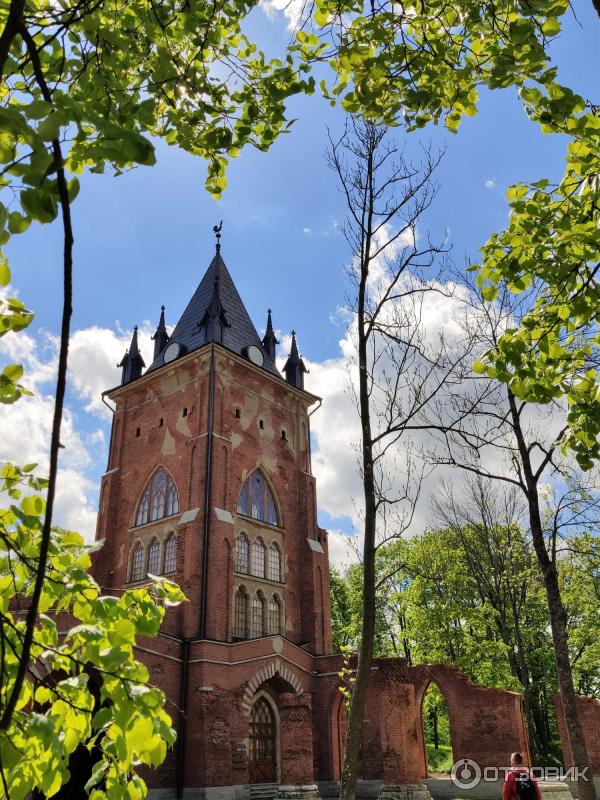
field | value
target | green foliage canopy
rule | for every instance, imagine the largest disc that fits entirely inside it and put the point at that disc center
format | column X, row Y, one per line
column 58, row 708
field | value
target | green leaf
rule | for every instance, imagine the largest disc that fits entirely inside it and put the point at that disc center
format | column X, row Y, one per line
column 4, row 273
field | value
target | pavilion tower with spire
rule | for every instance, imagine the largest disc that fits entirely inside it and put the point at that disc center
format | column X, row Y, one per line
column 209, row 482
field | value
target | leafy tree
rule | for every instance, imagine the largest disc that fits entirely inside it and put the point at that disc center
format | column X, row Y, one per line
column 82, row 688
column 84, row 84
column 447, row 597
column 398, row 372
column 425, row 62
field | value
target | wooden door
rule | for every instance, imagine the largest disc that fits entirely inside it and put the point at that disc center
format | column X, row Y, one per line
column 263, row 749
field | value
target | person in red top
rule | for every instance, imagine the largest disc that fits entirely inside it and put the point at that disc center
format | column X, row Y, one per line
column 519, row 784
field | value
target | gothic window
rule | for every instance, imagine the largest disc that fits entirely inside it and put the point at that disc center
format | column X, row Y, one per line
column 137, row 563
column 256, row 499
column 170, row 563
column 258, row 616
column 240, row 624
column 159, row 499
column 242, row 553
column 258, row 559
column 274, row 616
column 154, row 557
column 274, row 563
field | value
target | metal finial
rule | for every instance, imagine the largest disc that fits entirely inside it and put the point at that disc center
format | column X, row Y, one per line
column 162, row 308
column 217, row 230
column 293, row 333
column 135, row 327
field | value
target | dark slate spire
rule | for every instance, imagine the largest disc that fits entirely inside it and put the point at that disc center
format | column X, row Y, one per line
column 132, row 362
column 213, row 305
column 161, row 337
column 269, row 341
column 215, row 319
column 295, row 367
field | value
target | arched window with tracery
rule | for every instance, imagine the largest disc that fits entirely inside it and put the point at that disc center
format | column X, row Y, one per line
column 170, row 562
column 136, row 572
column 274, row 563
column 258, row 558
column 240, row 622
column 160, row 498
column 274, row 616
column 154, row 557
column 258, row 616
column 242, row 553
column 256, row 499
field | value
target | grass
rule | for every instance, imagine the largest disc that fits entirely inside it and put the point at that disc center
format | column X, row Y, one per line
column 439, row 761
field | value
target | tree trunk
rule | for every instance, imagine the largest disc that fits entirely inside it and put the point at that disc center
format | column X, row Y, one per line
column 365, row 653
column 558, row 616
column 436, row 734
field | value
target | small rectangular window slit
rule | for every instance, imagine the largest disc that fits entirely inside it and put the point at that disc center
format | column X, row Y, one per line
column 261, row 424
column 137, row 431
column 160, row 422
column 184, row 412
column 238, row 413
column 284, row 436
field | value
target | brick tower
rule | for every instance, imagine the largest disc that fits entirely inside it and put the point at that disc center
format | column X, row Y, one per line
column 209, row 481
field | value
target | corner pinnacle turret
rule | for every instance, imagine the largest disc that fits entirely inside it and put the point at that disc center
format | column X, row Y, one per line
column 132, row 362
column 295, row 367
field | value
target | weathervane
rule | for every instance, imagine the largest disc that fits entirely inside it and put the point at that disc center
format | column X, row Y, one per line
column 217, row 230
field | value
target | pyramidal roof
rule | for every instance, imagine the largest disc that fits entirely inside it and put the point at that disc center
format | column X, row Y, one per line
column 216, row 313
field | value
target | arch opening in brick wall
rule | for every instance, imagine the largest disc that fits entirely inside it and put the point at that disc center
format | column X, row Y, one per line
column 430, row 690
column 282, row 678
column 338, row 724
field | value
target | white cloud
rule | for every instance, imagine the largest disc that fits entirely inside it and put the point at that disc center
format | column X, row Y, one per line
column 307, row 230
column 292, row 10
column 25, row 429
column 93, row 357
column 26, row 432
column 490, row 183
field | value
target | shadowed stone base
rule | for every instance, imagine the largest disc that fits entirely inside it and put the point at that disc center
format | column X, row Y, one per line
column 405, row 791
column 310, row 792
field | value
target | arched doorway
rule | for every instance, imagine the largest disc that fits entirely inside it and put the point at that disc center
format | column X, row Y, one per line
column 262, row 766
column 436, row 732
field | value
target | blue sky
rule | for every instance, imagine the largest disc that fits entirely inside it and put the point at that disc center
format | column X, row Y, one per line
column 145, row 238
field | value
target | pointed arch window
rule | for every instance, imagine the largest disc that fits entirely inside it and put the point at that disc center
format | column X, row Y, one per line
column 137, row 563
column 256, row 499
column 274, row 616
column 274, row 563
column 240, row 623
column 154, row 557
column 160, row 498
column 242, row 553
column 258, row 558
column 258, row 616
column 170, row 563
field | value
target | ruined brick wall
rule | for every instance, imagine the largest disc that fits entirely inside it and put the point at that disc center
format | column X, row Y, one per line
column 589, row 714
column 486, row 725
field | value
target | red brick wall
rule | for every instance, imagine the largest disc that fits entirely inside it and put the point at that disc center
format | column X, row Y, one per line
column 486, row 725
column 589, row 715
